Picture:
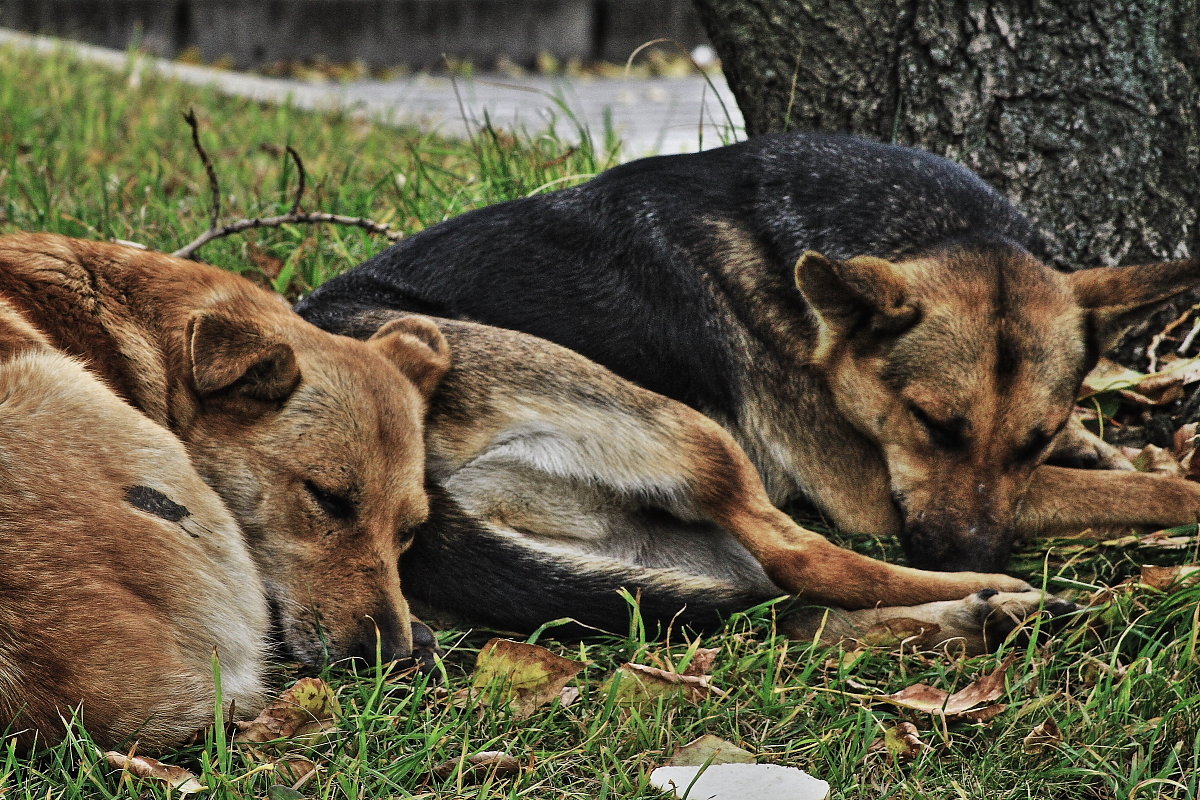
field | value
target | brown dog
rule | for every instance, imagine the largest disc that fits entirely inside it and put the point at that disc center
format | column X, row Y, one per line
column 120, row 570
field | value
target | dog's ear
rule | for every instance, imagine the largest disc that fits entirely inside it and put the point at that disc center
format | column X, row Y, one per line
column 1118, row 297
column 844, row 294
column 236, row 356
column 417, row 348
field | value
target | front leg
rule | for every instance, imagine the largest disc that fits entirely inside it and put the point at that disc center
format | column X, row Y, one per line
column 1067, row 501
column 974, row 624
column 727, row 488
column 1078, row 447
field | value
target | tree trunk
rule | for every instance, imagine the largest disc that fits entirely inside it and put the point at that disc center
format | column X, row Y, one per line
column 1086, row 114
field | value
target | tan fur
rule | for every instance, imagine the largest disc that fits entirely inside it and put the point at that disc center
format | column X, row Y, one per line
column 284, row 421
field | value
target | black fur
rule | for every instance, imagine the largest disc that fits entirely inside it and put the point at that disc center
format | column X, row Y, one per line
column 620, row 269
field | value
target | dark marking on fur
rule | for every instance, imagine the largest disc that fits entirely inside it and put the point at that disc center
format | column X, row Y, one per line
column 155, row 502
column 1008, row 358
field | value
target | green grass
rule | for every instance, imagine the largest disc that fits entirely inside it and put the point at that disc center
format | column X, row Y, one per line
column 88, row 153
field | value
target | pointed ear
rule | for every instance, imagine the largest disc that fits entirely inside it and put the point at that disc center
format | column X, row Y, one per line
column 1118, row 297
column 844, row 294
column 234, row 355
column 417, row 348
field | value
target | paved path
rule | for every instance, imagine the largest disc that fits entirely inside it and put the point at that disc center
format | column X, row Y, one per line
column 652, row 115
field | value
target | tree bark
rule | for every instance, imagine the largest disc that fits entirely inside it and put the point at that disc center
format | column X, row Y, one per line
column 1086, row 114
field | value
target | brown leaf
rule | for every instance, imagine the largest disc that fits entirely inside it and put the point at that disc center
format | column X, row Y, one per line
column 972, row 699
column 709, row 749
column 1166, row 578
column 176, row 778
column 702, row 661
column 1044, row 737
column 524, row 676
column 569, row 696
column 295, row 769
column 270, row 264
column 902, row 742
column 1109, row 376
column 306, row 710
column 637, row 684
column 478, row 767
column 1159, row 388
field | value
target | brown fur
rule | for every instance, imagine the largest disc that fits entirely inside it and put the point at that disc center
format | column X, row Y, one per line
column 110, row 606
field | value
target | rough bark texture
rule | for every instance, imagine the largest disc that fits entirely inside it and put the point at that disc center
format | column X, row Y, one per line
column 1086, row 114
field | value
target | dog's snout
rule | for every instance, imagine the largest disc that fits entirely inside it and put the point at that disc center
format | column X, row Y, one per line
column 382, row 637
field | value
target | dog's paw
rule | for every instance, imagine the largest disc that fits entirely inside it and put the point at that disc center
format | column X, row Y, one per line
column 990, row 617
column 1079, row 448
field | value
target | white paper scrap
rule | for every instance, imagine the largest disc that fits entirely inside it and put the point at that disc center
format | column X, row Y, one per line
column 738, row 782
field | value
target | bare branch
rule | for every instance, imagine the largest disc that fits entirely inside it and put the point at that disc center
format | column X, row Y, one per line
column 213, row 184
column 309, row 218
column 294, row 217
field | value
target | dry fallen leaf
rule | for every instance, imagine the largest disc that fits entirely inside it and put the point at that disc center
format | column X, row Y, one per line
column 637, row 684
column 1185, row 443
column 709, row 749
column 295, row 769
column 176, row 778
column 972, row 702
column 569, row 696
column 1166, row 578
column 903, row 742
column 1044, row 737
column 524, row 676
column 306, row 710
column 702, row 661
column 1155, row 389
column 479, row 766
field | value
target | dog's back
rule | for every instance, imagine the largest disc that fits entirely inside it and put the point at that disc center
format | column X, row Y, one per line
column 121, row 572
column 631, row 269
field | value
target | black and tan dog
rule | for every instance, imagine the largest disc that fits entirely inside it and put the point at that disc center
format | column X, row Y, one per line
column 869, row 323
column 133, row 385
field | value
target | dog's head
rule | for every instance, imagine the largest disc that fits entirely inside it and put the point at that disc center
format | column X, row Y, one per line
column 315, row 442
column 963, row 365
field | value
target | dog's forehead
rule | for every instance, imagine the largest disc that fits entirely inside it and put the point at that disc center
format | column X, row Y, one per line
column 997, row 327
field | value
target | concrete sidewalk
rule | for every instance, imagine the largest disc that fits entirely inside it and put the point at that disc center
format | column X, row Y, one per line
column 651, row 115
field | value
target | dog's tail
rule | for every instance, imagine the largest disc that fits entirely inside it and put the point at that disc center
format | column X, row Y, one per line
column 461, row 566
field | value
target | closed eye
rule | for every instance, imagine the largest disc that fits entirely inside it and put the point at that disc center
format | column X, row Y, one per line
column 948, row 435
column 338, row 506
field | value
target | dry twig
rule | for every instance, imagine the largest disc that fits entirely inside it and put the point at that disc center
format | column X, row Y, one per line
column 293, row 217
column 1161, row 336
